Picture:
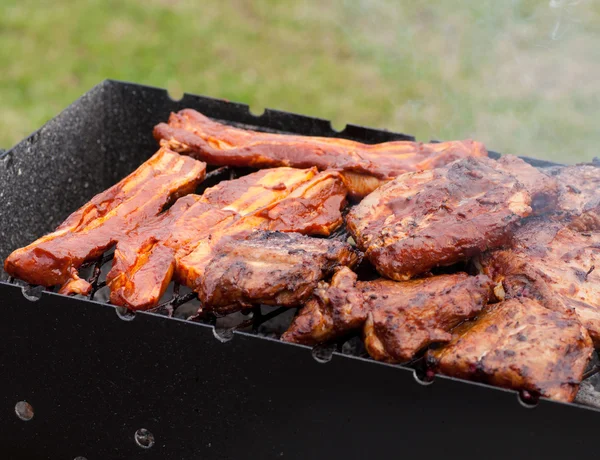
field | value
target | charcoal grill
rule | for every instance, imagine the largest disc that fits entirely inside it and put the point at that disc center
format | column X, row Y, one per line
column 106, row 384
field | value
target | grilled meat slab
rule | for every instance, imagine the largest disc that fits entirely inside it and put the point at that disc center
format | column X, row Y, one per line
column 399, row 318
column 405, row 317
column 519, row 344
column 364, row 167
column 147, row 260
column 105, row 219
column 555, row 265
column 270, row 268
column 144, row 261
column 434, row 218
column 314, row 208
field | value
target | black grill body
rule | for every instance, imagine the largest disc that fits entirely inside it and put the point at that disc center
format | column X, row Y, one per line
column 94, row 378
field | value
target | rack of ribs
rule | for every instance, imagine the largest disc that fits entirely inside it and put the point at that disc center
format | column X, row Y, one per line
column 55, row 259
column 284, row 199
column 519, row 344
column 269, row 268
column 364, row 167
column 398, row 318
column 440, row 217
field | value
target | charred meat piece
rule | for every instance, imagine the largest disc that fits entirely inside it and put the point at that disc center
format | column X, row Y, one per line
column 435, row 218
column 314, row 208
column 104, row 220
column 364, row 166
column 335, row 310
column 405, row 317
column 519, row 344
column 399, row 318
column 269, row 268
column 556, row 265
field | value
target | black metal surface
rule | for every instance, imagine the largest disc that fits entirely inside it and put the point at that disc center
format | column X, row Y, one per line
column 93, row 379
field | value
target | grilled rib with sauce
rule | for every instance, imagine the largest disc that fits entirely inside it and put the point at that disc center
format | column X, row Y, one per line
column 285, row 199
column 269, row 268
column 434, row 218
column 363, row 166
column 519, row 344
column 55, row 259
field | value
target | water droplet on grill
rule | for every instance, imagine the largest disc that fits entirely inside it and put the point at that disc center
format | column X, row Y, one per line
column 32, row 293
column 80, row 458
column 125, row 314
column 24, row 410
column 223, row 334
column 144, row 438
column 323, row 353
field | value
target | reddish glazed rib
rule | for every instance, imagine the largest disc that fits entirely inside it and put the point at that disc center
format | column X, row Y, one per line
column 364, row 167
column 88, row 232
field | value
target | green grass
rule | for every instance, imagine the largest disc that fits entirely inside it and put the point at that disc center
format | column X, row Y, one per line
column 499, row 71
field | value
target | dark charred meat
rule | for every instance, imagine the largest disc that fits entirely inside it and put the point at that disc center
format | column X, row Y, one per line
column 434, row 218
column 105, row 219
column 315, row 202
column 405, row 317
column 335, row 310
column 519, row 344
column 270, row 268
column 554, row 264
column 363, row 166
column 399, row 318
column 147, row 260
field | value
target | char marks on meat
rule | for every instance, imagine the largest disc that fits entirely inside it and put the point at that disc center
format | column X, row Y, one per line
column 364, row 166
column 270, row 268
column 434, row 218
column 519, row 344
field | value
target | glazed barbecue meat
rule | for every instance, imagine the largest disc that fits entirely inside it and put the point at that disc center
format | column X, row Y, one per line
column 399, row 318
column 405, row 317
column 270, row 268
column 314, row 208
column 144, row 261
column 364, row 167
column 105, row 219
column 147, row 260
column 335, row 310
column 434, row 218
column 519, row 344
column 542, row 187
column 579, row 188
column 554, row 264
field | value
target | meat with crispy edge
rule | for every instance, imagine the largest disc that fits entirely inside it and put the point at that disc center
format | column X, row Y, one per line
column 363, row 166
column 399, row 318
column 270, row 268
column 88, row 232
column 519, row 344
column 285, row 199
column 434, row 218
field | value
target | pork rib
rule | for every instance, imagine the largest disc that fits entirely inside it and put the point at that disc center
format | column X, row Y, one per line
column 88, row 232
column 364, row 166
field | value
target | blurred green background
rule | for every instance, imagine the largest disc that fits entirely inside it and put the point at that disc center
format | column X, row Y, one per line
column 520, row 75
